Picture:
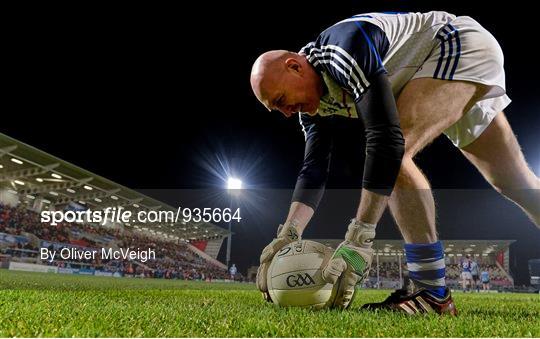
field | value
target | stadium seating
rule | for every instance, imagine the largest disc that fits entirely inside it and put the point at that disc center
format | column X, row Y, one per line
column 498, row 278
column 24, row 233
column 173, row 260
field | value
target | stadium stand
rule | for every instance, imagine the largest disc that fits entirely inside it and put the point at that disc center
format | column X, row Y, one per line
column 32, row 181
column 389, row 270
column 22, row 234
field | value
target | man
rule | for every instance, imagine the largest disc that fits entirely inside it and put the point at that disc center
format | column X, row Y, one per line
column 466, row 274
column 474, row 274
column 484, row 277
column 409, row 77
column 232, row 271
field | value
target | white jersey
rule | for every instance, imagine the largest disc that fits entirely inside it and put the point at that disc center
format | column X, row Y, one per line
column 411, row 37
column 409, row 46
column 351, row 52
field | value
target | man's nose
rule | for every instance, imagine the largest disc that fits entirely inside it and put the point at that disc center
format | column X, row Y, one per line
column 289, row 110
column 285, row 113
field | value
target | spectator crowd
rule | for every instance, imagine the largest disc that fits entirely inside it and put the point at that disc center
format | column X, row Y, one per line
column 174, row 260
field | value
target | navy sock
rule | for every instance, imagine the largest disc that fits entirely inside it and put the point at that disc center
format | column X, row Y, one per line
column 426, row 267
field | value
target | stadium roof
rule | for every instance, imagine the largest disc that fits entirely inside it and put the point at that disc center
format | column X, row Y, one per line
column 31, row 174
column 451, row 247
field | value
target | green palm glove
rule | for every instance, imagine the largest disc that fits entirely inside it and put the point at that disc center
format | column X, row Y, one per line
column 350, row 262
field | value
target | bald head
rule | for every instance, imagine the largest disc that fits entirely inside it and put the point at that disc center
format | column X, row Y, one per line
column 270, row 59
column 285, row 81
column 267, row 71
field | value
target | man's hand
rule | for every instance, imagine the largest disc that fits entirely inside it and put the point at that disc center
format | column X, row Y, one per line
column 350, row 263
column 286, row 234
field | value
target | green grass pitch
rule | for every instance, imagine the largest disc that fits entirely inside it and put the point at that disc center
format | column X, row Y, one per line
column 40, row 305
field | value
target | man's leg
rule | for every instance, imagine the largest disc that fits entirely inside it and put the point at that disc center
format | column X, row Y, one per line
column 498, row 157
column 427, row 107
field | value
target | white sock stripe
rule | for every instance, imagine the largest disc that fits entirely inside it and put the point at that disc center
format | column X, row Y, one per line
column 426, row 266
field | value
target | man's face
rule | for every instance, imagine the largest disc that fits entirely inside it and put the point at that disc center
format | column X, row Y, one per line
column 291, row 89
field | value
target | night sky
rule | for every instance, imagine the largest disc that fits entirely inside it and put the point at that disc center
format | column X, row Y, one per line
column 149, row 96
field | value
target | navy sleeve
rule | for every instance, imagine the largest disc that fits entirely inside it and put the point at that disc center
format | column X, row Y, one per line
column 385, row 145
column 354, row 52
column 312, row 178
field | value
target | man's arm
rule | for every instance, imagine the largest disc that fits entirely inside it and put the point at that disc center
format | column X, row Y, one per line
column 300, row 214
column 307, row 194
column 371, row 208
column 384, row 151
column 312, row 178
column 357, row 49
column 385, row 147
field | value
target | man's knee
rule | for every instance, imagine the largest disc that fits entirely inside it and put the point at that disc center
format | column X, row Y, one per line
column 405, row 173
column 427, row 107
column 410, row 176
column 513, row 183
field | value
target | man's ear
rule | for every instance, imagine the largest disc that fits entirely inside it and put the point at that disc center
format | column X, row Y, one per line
column 294, row 65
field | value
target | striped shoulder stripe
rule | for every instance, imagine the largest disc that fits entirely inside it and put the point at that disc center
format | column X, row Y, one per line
column 345, row 59
column 317, row 61
column 308, row 46
column 342, row 62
